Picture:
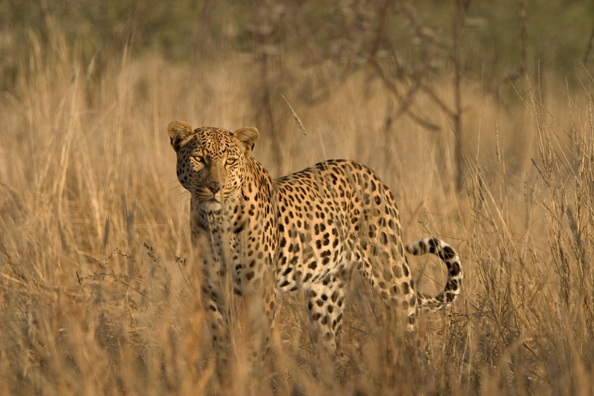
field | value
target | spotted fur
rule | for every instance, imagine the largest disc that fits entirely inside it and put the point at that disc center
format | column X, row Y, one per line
column 302, row 232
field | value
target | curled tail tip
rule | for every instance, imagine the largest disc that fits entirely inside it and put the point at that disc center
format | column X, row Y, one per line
column 455, row 275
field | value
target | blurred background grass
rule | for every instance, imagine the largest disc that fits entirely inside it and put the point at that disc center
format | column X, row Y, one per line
column 557, row 32
column 478, row 115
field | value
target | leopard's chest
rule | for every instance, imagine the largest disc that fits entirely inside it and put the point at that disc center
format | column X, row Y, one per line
column 242, row 245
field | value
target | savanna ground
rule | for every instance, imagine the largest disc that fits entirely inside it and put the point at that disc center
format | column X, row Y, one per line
column 99, row 294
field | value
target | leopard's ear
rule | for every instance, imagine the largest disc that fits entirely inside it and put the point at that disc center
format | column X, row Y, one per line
column 178, row 132
column 247, row 136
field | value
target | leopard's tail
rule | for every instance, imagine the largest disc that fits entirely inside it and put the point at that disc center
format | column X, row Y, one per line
column 451, row 259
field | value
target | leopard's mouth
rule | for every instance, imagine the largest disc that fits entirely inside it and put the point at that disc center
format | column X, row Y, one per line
column 218, row 198
column 207, row 196
column 212, row 200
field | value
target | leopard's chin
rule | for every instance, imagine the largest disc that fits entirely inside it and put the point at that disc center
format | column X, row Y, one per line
column 212, row 205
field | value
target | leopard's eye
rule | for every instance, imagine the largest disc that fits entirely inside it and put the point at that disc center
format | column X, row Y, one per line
column 231, row 161
column 198, row 158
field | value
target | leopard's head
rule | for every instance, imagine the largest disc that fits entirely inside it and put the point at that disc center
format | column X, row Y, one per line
column 211, row 162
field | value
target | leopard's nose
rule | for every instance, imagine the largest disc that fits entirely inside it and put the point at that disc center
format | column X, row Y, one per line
column 214, row 187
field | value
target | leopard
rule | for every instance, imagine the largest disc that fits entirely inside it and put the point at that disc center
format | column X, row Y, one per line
column 302, row 233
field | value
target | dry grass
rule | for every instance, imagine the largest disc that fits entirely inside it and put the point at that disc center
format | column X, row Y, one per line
column 99, row 294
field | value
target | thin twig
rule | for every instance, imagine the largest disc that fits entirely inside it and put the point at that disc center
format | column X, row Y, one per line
column 295, row 116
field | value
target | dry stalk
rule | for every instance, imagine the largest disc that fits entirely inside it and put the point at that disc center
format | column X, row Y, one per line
column 295, row 116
